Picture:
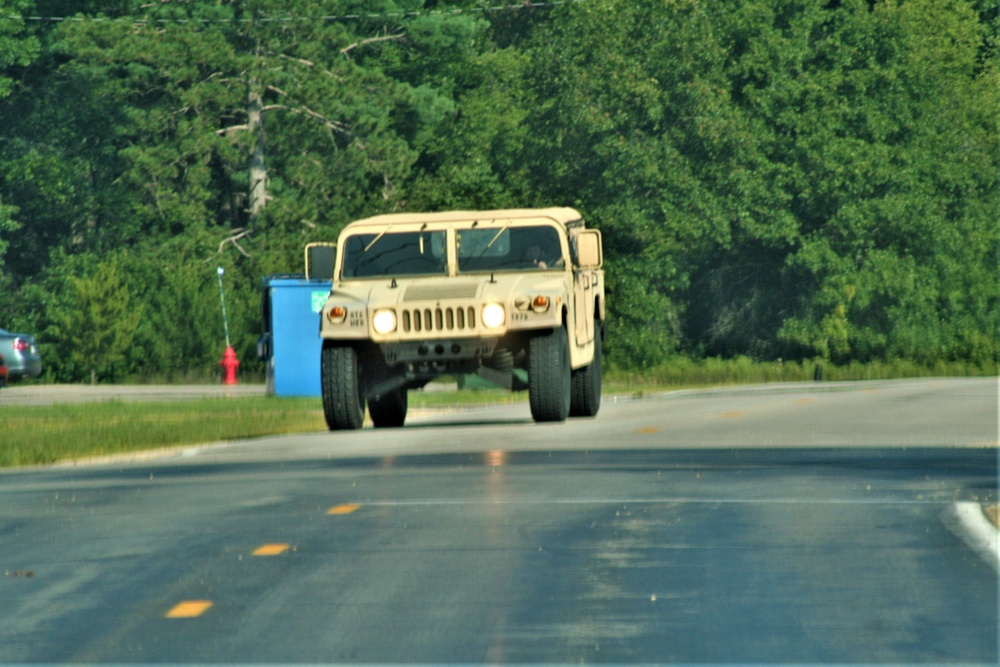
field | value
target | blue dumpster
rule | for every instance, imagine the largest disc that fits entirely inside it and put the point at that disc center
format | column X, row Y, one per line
column 290, row 345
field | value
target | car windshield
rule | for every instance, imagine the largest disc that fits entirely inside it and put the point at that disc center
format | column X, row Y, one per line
column 509, row 249
column 389, row 253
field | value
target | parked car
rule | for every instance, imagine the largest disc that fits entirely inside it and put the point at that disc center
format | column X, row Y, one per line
column 21, row 354
column 3, row 372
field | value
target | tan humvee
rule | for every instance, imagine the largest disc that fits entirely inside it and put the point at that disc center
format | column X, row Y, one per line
column 495, row 293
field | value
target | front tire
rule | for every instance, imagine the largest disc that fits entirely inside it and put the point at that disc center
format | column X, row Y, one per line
column 343, row 395
column 389, row 410
column 586, row 399
column 549, row 385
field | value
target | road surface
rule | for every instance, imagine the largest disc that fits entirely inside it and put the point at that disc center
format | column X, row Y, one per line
column 774, row 524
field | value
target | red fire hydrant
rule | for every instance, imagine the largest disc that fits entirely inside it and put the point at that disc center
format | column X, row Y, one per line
column 229, row 365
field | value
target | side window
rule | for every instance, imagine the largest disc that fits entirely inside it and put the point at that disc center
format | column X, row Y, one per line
column 540, row 248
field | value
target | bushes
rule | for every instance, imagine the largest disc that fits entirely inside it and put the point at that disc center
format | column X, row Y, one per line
column 685, row 372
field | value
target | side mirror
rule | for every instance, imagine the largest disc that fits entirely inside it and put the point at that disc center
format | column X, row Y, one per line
column 320, row 259
column 588, row 249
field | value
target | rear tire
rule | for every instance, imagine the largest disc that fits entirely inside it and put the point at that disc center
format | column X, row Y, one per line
column 549, row 385
column 343, row 397
column 586, row 399
column 389, row 410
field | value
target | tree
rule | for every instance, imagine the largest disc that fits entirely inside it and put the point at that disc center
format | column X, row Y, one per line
column 777, row 179
column 897, row 149
column 95, row 322
column 785, row 178
column 632, row 120
column 17, row 49
column 164, row 128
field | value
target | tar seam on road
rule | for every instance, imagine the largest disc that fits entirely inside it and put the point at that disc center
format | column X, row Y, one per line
column 653, row 501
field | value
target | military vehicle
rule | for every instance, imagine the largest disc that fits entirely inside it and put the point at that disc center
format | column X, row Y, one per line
column 514, row 296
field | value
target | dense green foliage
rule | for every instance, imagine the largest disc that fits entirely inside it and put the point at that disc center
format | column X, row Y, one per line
column 782, row 179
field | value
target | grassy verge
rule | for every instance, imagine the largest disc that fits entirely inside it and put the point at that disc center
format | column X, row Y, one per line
column 683, row 372
column 36, row 435
column 39, row 435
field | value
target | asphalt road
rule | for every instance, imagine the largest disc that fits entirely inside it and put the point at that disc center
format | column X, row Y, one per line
column 775, row 524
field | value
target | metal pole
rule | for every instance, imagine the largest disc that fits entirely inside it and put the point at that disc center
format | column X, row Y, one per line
column 222, row 297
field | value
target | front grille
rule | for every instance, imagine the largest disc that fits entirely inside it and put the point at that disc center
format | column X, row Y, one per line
column 437, row 291
column 438, row 320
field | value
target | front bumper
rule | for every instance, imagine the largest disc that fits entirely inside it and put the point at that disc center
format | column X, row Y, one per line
column 438, row 350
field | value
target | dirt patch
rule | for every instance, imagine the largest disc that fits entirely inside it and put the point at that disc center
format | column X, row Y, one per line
column 992, row 513
column 50, row 394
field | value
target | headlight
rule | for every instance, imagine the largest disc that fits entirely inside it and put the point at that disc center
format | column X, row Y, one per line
column 493, row 315
column 384, row 321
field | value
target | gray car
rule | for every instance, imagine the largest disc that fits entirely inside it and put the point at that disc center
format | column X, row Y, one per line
column 21, row 354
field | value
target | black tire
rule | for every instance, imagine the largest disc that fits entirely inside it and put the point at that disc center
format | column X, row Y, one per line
column 343, row 396
column 549, row 385
column 389, row 410
column 586, row 399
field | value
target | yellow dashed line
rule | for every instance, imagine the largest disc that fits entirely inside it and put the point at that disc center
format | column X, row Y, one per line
column 804, row 401
column 189, row 609
column 343, row 509
column 733, row 415
column 648, row 430
column 271, row 549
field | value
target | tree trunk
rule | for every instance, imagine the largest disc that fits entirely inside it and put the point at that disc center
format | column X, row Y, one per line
column 258, row 171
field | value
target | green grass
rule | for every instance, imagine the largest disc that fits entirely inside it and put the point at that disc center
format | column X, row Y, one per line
column 683, row 372
column 37, row 435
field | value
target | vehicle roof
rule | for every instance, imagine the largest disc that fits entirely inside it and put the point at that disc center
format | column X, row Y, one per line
column 560, row 215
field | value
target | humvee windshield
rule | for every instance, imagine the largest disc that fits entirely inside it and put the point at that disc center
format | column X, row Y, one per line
column 508, row 248
column 389, row 253
column 482, row 250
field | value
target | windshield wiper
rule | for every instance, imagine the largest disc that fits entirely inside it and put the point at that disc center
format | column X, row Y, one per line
column 495, row 238
column 376, row 239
